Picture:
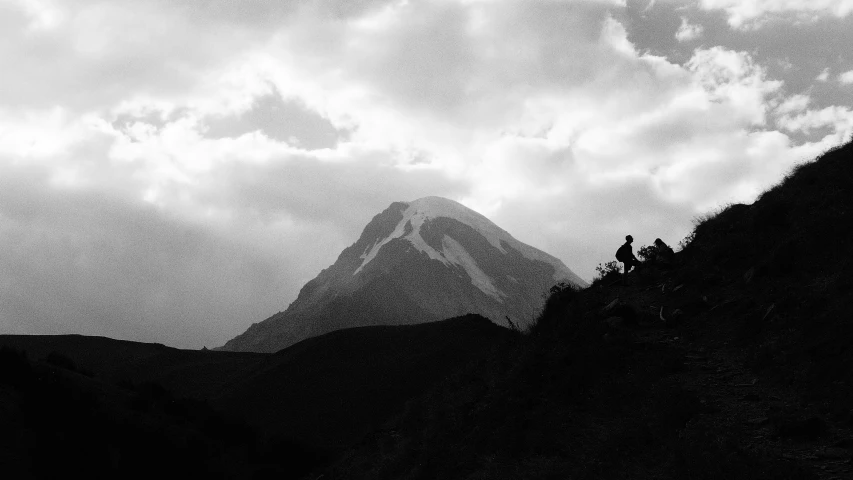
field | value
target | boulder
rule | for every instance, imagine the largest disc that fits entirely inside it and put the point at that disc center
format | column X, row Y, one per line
column 617, row 308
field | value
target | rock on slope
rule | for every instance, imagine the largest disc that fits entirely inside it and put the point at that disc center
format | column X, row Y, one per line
column 416, row 262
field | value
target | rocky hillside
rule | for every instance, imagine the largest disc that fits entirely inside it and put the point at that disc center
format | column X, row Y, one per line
column 737, row 362
column 417, row 262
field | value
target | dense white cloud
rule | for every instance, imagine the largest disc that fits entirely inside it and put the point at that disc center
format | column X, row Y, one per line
column 688, row 31
column 753, row 13
column 793, row 104
column 846, row 77
column 175, row 173
column 838, row 119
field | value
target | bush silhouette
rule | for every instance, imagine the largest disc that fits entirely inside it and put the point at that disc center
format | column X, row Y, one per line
column 647, row 253
column 607, row 272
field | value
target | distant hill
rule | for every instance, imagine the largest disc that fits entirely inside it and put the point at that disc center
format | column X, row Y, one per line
column 57, row 420
column 188, row 373
column 331, row 390
column 100, row 354
column 316, row 397
column 417, row 262
column 736, row 363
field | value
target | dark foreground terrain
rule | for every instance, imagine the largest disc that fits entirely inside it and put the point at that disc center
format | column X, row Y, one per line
column 735, row 364
column 105, row 408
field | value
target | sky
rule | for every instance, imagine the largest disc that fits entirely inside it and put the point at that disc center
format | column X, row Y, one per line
column 173, row 171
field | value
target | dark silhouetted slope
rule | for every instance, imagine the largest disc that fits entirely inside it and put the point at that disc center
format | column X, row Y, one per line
column 326, row 392
column 737, row 363
column 331, row 390
column 99, row 354
column 189, row 373
column 57, row 422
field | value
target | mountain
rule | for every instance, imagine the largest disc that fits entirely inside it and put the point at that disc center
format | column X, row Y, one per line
column 416, row 262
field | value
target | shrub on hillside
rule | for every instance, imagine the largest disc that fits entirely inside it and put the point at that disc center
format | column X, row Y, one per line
column 561, row 287
column 647, row 253
column 686, row 241
column 559, row 295
column 607, row 272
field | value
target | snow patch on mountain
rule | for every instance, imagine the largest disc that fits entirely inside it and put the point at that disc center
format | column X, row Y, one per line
column 423, row 209
column 417, row 219
column 434, row 207
column 456, row 254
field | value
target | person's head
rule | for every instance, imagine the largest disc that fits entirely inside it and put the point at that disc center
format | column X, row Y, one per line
column 629, row 238
column 659, row 242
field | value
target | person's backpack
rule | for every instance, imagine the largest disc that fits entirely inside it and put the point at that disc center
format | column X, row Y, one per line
column 624, row 253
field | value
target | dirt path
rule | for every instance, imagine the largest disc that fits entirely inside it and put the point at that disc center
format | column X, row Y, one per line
column 764, row 419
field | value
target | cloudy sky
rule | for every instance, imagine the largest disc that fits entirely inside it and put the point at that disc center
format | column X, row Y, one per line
column 175, row 170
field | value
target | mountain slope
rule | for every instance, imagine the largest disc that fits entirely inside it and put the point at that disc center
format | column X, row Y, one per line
column 736, row 363
column 188, row 373
column 329, row 391
column 56, row 420
column 298, row 407
column 416, row 262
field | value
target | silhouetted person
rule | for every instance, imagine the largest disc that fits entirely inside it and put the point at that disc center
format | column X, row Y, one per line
column 626, row 255
column 663, row 253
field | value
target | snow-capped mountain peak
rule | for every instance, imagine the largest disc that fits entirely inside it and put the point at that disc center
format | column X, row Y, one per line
column 420, row 261
column 427, row 208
